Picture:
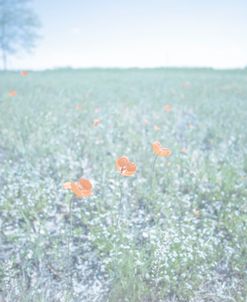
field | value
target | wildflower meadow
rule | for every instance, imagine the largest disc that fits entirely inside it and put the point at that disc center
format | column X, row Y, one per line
column 123, row 185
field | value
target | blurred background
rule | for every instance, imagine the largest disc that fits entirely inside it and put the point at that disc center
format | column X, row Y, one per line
column 139, row 33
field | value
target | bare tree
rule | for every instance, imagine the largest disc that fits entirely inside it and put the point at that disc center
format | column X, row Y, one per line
column 18, row 28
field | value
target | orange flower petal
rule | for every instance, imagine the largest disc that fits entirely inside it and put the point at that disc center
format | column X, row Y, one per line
column 12, row 93
column 79, row 191
column 67, row 185
column 122, row 162
column 86, row 184
column 130, row 169
column 156, row 147
column 165, row 152
column 75, row 188
column 24, row 73
column 125, row 166
column 160, row 151
column 87, row 193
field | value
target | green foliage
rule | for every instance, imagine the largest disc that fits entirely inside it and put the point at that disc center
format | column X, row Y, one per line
column 181, row 239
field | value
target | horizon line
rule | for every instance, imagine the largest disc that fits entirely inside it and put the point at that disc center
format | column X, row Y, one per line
column 127, row 68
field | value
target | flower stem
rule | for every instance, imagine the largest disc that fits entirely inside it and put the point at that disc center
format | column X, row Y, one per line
column 120, row 207
column 153, row 170
column 69, row 262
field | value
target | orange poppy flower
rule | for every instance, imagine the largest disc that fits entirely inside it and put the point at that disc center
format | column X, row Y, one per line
column 125, row 166
column 12, row 93
column 160, row 151
column 168, row 108
column 96, row 122
column 24, row 73
column 81, row 188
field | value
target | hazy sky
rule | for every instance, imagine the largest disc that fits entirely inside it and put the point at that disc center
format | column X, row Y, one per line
column 145, row 33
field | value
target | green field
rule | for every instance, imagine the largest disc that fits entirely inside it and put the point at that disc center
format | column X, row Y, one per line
column 177, row 232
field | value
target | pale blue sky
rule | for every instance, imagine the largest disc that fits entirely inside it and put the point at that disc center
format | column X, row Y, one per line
column 144, row 33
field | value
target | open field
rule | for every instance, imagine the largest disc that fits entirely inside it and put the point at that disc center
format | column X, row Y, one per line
column 180, row 230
